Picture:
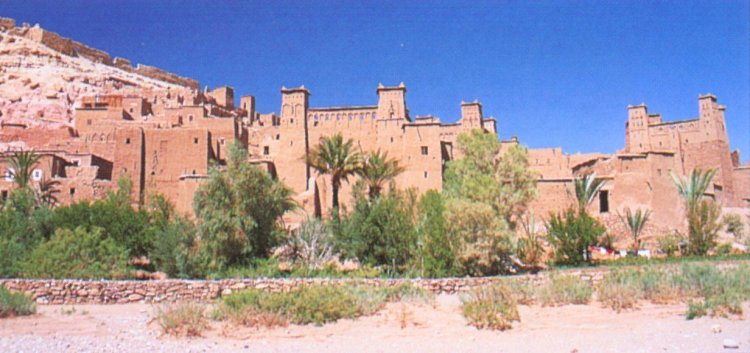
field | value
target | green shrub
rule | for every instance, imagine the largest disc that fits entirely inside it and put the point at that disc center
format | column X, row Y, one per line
column 491, row 307
column 523, row 292
column 15, row 304
column 734, row 225
column 176, row 250
column 306, row 304
column 184, row 319
column 378, row 232
column 571, row 234
column 670, row 243
column 723, row 249
column 435, row 252
column 721, row 292
column 562, row 290
column 77, row 254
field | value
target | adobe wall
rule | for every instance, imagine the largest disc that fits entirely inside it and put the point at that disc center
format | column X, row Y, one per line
column 121, row 292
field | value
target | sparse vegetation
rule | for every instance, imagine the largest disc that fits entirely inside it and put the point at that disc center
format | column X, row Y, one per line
column 182, row 319
column 571, row 234
column 491, row 307
column 317, row 304
column 563, row 290
column 15, row 304
column 734, row 225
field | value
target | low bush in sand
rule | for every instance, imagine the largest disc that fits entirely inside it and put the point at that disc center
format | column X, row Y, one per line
column 563, row 290
column 490, row 307
column 318, row 304
column 15, row 304
column 719, row 292
column 183, row 319
column 620, row 290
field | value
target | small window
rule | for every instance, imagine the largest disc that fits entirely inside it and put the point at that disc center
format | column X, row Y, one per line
column 88, row 122
column 190, row 117
column 131, row 110
column 127, row 141
column 221, row 141
column 193, row 171
column 603, row 201
column 195, row 140
column 291, row 121
column 36, row 174
column 266, row 150
column 425, row 175
column 278, row 136
column 424, row 150
column 72, row 191
column 391, row 139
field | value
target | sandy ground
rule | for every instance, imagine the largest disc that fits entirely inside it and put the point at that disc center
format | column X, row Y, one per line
column 430, row 328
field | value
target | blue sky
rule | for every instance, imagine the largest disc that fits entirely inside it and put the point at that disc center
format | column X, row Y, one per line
column 554, row 73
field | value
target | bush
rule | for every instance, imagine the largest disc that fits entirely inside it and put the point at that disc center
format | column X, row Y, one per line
column 721, row 292
column 670, row 243
column 176, row 250
column 435, row 250
column 311, row 245
column 620, row 290
column 491, row 307
column 734, row 225
column 378, row 232
column 703, row 227
column 571, row 234
column 23, row 225
column 306, row 304
column 15, row 304
column 77, row 254
column 185, row 319
column 523, row 292
column 562, row 290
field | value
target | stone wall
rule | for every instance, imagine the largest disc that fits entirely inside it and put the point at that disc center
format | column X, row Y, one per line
column 121, row 292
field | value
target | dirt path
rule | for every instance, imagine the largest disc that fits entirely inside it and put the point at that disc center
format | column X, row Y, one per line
column 428, row 328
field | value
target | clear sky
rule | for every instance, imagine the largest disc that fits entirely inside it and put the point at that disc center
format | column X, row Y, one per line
column 554, row 73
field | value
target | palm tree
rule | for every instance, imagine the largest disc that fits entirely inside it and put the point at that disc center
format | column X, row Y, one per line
column 22, row 164
column 635, row 221
column 692, row 189
column 337, row 158
column 46, row 193
column 586, row 189
column 378, row 169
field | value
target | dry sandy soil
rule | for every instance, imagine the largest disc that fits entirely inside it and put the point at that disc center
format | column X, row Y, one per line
column 430, row 328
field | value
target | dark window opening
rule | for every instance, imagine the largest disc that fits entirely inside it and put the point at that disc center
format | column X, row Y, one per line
column 603, row 201
column 72, row 191
column 4, row 195
column 88, row 122
column 127, row 141
column 193, row 171
column 425, row 175
column 424, row 150
column 278, row 136
column 266, row 151
column 195, row 140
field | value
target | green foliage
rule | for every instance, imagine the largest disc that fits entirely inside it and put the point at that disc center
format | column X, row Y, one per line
column 239, row 210
column 703, row 227
column 77, row 254
column 531, row 249
column 22, row 164
column 15, row 304
column 23, row 225
column 586, row 188
column 311, row 245
column 306, row 304
column 491, row 307
column 486, row 192
column 378, row 232
column 734, row 225
column 571, row 234
column 563, row 290
column 337, row 158
column 269, row 268
column 635, row 222
column 377, row 170
column 670, row 243
column 720, row 292
column 435, row 256
column 692, row 189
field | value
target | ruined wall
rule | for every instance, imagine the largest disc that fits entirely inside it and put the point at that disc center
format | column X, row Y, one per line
column 161, row 75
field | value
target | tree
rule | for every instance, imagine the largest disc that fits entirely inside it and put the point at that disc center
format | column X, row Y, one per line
column 22, row 164
column 337, row 158
column 694, row 188
column 586, row 189
column 486, row 193
column 378, row 169
column 702, row 214
column 46, row 193
column 239, row 211
column 435, row 250
column 635, row 222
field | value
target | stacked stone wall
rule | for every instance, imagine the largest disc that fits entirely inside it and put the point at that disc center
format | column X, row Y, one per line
column 121, row 292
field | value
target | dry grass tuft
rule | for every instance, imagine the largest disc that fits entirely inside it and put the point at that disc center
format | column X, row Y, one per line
column 183, row 319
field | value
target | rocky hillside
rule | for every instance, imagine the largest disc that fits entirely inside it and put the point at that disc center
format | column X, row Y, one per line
column 42, row 75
